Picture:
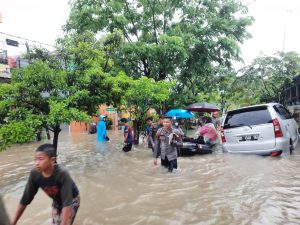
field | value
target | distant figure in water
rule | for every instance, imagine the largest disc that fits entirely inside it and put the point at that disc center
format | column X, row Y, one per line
column 93, row 128
column 101, row 130
column 128, row 138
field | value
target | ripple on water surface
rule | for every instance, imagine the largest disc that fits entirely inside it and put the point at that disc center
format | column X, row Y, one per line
column 126, row 188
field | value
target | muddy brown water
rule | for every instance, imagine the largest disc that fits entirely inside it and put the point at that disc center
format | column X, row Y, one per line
column 120, row 188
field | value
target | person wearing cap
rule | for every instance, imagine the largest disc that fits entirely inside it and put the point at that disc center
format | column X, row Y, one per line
column 56, row 182
column 164, row 137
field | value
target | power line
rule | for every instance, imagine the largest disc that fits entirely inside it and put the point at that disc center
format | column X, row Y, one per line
column 38, row 42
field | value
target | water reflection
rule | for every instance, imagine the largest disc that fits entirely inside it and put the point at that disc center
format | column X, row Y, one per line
column 101, row 147
column 126, row 188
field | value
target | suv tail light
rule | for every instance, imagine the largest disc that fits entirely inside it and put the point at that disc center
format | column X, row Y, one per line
column 223, row 135
column 277, row 128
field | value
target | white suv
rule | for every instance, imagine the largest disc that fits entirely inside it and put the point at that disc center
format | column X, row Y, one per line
column 267, row 129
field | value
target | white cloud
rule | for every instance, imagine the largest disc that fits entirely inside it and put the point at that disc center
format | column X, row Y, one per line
column 38, row 20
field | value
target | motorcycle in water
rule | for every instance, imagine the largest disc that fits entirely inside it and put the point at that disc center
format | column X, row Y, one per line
column 190, row 146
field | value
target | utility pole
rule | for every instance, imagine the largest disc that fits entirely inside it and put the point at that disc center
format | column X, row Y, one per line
column 284, row 37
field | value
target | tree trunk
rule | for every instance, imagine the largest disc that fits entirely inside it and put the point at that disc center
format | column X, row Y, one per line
column 39, row 134
column 4, row 220
column 136, row 132
column 56, row 131
column 48, row 133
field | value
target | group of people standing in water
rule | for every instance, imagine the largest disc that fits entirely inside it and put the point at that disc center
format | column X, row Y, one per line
column 161, row 134
column 58, row 184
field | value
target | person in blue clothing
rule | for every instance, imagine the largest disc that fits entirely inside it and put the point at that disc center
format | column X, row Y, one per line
column 128, row 138
column 101, row 130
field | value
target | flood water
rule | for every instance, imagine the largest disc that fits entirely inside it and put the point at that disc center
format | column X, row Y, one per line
column 120, row 188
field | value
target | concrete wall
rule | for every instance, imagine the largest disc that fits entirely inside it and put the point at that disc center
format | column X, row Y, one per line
column 103, row 110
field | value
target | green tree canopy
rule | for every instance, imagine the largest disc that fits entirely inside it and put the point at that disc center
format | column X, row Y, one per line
column 145, row 93
column 265, row 79
column 52, row 91
column 183, row 40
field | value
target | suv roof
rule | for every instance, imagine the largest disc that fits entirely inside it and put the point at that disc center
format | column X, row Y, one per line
column 254, row 106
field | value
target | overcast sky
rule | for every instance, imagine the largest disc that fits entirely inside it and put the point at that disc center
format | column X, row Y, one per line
column 276, row 28
column 41, row 20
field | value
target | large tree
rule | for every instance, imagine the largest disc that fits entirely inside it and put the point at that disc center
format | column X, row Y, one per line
column 54, row 90
column 187, row 40
column 144, row 93
column 265, row 79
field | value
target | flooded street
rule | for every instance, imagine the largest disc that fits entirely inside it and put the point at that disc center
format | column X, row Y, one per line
column 120, row 188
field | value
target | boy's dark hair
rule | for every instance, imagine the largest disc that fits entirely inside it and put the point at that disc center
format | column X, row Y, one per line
column 124, row 120
column 48, row 149
column 149, row 118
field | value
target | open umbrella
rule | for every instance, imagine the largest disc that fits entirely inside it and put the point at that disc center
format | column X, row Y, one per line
column 180, row 113
column 203, row 107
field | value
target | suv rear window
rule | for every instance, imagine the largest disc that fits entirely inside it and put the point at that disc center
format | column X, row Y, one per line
column 282, row 112
column 247, row 117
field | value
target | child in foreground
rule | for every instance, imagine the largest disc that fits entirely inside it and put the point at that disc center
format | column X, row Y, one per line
column 55, row 182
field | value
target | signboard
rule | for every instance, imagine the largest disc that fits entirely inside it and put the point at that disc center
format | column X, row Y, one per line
column 12, row 42
column 110, row 109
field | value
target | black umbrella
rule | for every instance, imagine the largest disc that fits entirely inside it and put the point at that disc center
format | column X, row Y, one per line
column 203, row 107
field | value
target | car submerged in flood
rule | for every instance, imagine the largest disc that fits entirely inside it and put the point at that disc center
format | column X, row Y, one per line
column 266, row 129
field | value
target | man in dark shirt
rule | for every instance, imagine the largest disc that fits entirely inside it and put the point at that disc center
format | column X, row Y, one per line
column 128, row 138
column 153, row 129
column 55, row 182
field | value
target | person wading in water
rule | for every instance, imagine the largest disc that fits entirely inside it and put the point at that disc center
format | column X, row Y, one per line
column 164, row 137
